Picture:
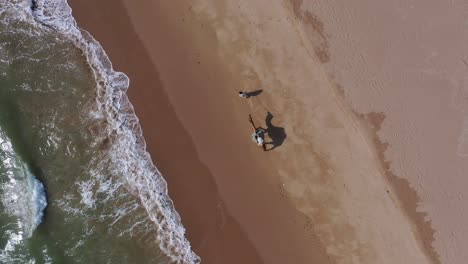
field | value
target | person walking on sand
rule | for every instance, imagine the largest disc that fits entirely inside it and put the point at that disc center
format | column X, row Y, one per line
column 258, row 136
column 244, row 94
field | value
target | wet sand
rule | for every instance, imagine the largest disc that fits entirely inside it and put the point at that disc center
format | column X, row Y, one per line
column 323, row 195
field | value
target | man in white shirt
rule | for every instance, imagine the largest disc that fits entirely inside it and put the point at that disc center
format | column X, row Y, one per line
column 258, row 136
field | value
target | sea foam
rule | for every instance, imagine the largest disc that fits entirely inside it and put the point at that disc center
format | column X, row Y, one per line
column 22, row 196
column 128, row 150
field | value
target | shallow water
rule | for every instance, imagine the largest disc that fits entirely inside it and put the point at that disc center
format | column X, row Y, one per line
column 69, row 140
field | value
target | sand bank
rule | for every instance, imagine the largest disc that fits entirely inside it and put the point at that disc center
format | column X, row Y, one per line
column 321, row 196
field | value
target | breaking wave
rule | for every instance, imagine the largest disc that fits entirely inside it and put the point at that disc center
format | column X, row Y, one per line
column 22, row 196
column 128, row 154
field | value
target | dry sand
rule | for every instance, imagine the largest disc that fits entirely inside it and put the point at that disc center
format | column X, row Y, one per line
column 326, row 194
column 407, row 60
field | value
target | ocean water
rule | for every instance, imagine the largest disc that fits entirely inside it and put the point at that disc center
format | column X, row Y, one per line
column 76, row 184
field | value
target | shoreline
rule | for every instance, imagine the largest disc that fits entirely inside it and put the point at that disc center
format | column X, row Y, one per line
column 166, row 151
column 214, row 234
column 300, row 203
column 112, row 100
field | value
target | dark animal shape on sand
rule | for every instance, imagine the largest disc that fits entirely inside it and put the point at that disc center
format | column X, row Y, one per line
column 276, row 134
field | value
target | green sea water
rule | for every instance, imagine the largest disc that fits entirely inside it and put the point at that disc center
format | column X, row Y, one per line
column 76, row 185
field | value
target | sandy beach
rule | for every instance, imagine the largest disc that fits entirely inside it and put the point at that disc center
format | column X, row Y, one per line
column 208, row 184
column 349, row 179
column 406, row 62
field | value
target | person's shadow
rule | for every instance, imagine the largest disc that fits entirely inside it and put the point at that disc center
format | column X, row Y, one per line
column 276, row 134
column 254, row 93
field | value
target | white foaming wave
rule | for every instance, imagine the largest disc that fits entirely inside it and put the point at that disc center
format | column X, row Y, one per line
column 128, row 152
column 102, row 189
column 23, row 195
column 47, row 258
column 86, row 192
column 14, row 239
column 8, row 7
column 38, row 198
